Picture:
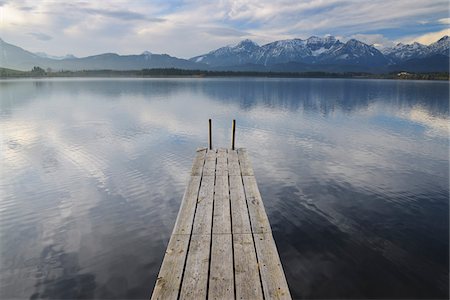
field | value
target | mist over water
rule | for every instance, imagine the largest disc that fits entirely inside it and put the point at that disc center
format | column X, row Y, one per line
column 354, row 175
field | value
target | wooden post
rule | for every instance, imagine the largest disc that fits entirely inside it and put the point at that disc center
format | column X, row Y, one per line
column 233, row 135
column 210, row 135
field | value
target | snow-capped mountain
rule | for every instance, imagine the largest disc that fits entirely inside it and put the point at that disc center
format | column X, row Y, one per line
column 442, row 46
column 281, row 52
column 314, row 50
column 310, row 50
column 402, row 52
column 229, row 55
column 354, row 52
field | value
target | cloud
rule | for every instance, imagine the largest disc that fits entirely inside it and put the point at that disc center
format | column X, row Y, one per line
column 121, row 15
column 378, row 40
column 40, row 36
column 226, row 31
column 188, row 28
column 444, row 21
column 427, row 38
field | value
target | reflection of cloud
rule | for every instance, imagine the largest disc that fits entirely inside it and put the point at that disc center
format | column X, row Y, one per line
column 435, row 125
column 124, row 147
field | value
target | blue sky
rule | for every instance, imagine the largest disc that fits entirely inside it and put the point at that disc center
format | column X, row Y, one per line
column 192, row 27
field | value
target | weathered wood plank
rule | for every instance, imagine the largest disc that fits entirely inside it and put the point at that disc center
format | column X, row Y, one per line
column 183, row 225
column 195, row 278
column 248, row 284
column 233, row 163
column 239, row 213
column 222, row 162
column 222, row 214
column 272, row 275
column 221, row 277
column 169, row 279
column 222, row 220
column 203, row 214
column 258, row 217
column 244, row 162
column 209, row 169
column 199, row 160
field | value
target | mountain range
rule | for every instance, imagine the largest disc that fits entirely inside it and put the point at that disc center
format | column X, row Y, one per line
column 294, row 55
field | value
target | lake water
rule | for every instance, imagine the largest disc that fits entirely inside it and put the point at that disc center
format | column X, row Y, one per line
column 354, row 175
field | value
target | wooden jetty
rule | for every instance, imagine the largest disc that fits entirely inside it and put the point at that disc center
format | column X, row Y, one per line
column 221, row 246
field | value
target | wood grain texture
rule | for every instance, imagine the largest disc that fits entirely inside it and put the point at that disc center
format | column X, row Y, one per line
column 222, row 212
column 221, row 277
column 222, row 162
column 239, row 212
column 258, row 217
column 248, row 284
column 183, row 224
column 169, row 278
column 233, row 163
column 244, row 162
column 272, row 275
column 204, row 211
column 195, row 278
column 199, row 160
column 209, row 169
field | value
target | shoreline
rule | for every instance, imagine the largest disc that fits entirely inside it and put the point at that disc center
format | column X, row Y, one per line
column 181, row 73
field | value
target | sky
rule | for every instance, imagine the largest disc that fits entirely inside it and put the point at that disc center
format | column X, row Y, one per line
column 186, row 28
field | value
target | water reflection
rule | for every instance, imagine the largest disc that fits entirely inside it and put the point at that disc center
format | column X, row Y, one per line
column 354, row 175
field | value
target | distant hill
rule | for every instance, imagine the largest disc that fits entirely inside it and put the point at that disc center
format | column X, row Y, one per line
column 14, row 57
column 314, row 54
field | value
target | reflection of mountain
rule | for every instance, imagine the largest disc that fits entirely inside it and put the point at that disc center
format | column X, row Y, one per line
column 324, row 95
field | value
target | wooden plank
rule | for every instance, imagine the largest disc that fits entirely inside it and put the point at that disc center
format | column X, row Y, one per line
column 272, row 275
column 169, row 279
column 222, row 162
column 195, row 278
column 209, row 169
column 221, row 277
column 244, row 162
column 199, row 160
column 221, row 246
column 233, row 163
column 183, row 225
column 248, row 284
column 258, row 217
column 222, row 214
column 203, row 214
column 239, row 213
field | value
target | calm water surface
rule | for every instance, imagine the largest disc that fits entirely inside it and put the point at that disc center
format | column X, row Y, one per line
column 354, row 175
